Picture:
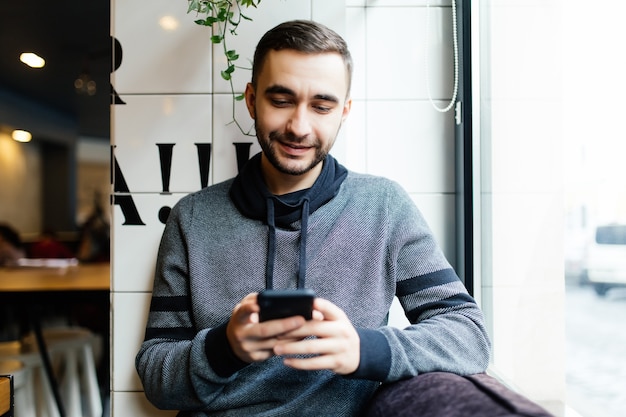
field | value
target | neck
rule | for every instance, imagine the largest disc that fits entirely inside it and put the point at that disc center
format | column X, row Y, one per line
column 279, row 183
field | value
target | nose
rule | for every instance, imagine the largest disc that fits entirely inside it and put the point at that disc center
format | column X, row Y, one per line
column 299, row 123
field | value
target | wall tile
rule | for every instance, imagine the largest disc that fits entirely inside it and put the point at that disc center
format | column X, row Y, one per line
column 249, row 34
column 398, row 69
column 130, row 312
column 356, row 37
column 331, row 13
column 355, row 140
column 439, row 211
column 135, row 246
column 146, row 121
column 135, row 404
column 156, row 60
column 226, row 135
column 415, row 3
column 410, row 142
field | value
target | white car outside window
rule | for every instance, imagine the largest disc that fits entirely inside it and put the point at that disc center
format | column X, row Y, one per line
column 605, row 264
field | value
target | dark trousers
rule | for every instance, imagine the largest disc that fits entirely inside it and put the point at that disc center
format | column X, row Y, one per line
column 441, row 394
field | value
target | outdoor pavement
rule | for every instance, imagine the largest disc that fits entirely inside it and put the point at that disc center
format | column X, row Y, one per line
column 596, row 351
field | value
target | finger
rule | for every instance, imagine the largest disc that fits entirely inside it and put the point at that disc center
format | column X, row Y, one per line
column 341, row 364
column 243, row 311
column 329, row 310
column 277, row 328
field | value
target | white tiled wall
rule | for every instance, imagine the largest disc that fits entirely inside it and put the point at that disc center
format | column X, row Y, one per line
column 175, row 95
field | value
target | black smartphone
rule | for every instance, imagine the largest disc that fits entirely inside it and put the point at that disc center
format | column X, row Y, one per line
column 278, row 304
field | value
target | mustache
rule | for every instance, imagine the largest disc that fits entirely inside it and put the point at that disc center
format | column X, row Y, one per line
column 290, row 138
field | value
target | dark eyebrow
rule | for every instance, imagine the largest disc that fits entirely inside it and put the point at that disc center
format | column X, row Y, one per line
column 279, row 89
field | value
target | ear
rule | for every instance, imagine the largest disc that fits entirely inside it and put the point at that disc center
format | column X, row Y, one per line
column 347, row 106
column 250, row 97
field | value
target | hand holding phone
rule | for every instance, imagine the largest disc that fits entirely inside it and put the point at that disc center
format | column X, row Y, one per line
column 277, row 304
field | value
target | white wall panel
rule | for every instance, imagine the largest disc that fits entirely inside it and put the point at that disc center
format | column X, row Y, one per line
column 397, row 69
column 355, row 142
column 130, row 312
column 157, row 60
column 146, row 122
column 412, row 143
column 135, row 246
column 438, row 210
column 135, row 404
column 248, row 36
column 356, row 36
column 226, row 134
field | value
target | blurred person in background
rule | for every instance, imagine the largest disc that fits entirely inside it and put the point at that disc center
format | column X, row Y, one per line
column 49, row 247
column 11, row 246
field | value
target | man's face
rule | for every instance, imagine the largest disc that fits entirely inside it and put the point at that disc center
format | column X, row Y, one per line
column 298, row 105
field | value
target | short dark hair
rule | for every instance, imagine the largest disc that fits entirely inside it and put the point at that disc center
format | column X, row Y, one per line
column 303, row 36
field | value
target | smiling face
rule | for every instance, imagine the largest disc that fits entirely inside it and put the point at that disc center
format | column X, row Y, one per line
column 298, row 105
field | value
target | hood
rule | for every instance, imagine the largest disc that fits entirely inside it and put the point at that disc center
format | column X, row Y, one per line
column 252, row 198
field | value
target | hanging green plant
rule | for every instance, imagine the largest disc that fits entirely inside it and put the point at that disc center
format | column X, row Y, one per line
column 224, row 16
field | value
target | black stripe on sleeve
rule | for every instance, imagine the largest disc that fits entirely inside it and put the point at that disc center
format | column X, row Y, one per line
column 173, row 333
column 445, row 304
column 413, row 285
column 176, row 303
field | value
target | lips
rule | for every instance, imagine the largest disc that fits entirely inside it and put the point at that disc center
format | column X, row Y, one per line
column 293, row 149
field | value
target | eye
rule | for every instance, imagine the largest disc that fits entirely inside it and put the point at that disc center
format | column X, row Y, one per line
column 279, row 102
column 321, row 108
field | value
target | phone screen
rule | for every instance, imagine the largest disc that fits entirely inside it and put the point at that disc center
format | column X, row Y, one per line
column 276, row 304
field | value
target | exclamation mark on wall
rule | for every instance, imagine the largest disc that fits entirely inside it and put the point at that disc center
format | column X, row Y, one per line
column 242, row 150
column 204, row 162
column 165, row 157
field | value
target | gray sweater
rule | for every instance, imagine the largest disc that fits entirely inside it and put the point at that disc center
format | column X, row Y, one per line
column 366, row 245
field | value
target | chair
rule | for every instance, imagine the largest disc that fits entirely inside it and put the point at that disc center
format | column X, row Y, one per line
column 6, row 393
column 23, row 368
column 73, row 353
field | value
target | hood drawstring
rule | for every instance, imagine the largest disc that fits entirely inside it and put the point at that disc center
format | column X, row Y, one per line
column 303, row 235
column 271, row 244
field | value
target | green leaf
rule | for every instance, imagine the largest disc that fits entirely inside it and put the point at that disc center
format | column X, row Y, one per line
column 225, row 75
column 232, row 55
column 249, row 3
column 217, row 38
column 240, row 97
column 193, row 5
column 230, row 69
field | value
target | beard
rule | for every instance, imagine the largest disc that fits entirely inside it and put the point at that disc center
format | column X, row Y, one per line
column 284, row 164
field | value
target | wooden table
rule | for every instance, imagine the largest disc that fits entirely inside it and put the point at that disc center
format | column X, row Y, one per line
column 27, row 288
column 83, row 277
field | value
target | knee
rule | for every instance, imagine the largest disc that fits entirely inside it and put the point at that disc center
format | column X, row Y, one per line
column 442, row 394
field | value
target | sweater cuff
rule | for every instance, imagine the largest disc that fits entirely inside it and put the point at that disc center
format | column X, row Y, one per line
column 219, row 353
column 375, row 360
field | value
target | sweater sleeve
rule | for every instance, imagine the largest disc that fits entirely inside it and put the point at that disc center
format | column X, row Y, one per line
column 172, row 362
column 447, row 331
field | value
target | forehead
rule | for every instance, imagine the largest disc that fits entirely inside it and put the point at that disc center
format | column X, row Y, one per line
column 298, row 70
